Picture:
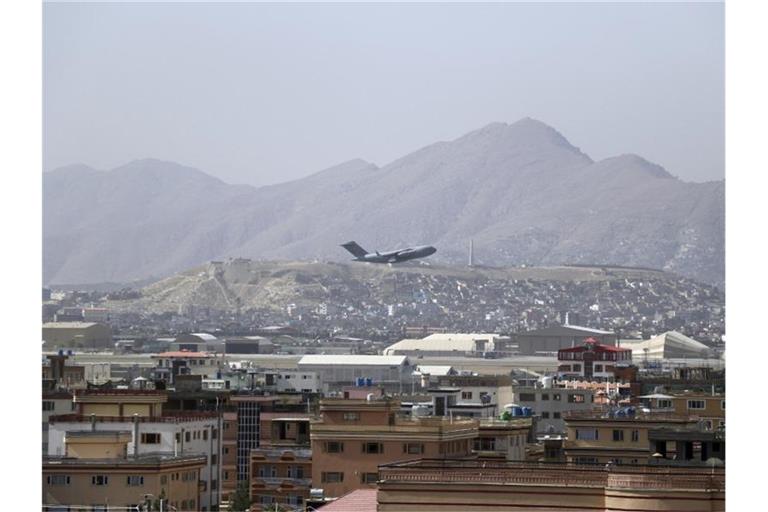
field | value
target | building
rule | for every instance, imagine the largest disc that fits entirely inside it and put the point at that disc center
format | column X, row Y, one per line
column 334, row 371
column 351, row 438
column 82, row 335
column 591, row 361
column 551, row 339
column 669, row 345
column 55, row 403
column 280, row 477
column 198, row 342
column 499, row 439
column 98, row 471
column 709, row 408
column 461, row 485
column 550, row 404
column 445, row 345
column 617, row 436
column 153, row 431
column 248, row 345
column 60, row 375
column 99, row 315
column 282, row 381
column 481, row 389
column 174, row 363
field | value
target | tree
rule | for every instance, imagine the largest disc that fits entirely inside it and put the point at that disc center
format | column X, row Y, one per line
column 240, row 500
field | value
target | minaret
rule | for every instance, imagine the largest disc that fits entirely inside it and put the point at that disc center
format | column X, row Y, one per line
column 470, row 252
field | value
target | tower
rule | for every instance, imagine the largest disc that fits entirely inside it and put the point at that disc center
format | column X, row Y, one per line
column 470, row 252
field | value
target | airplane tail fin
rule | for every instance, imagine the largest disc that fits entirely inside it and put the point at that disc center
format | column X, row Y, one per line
column 355, row 249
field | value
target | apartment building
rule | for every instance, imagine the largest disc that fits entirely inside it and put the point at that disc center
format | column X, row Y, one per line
column 153, row 431
column 280, row 477
column 710, row 408
column 351, row 438
column 55, row 403
column 502, row 439
column 551, row 403
column 591, row 361
column 618, row 437
column 98, row 472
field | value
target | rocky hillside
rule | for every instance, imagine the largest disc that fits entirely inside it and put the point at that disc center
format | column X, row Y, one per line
column 522, row 192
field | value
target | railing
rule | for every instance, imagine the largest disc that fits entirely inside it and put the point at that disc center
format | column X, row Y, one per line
column 564, row 476
column 180, row 417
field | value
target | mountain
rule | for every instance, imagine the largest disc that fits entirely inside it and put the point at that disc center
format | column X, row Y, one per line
column 520, row 191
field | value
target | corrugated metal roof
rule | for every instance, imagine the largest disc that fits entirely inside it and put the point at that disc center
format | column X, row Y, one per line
column 352, row 360
column 69, row 325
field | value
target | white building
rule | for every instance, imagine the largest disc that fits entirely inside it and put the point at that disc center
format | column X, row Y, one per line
column 293, row 381
column 197, row 433
column 445, row 345
column 335, row 371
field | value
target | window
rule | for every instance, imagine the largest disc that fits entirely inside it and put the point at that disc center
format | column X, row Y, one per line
column 576, row 398
column 369, row 478
column 215, row 431
column 588, row 434
column 99, row 480
column 635, row 436
column 618, row 435
column 192, row 504
column 545, row 415
column 187, row 436
column 373, row 448
column 598, row 368
column 205, row 435
column 178, row 437
column 48, row 405
column 664, row 404
column 586, row 460
column 226, row 475
column 413, row 448
column 163, row 479
column 527, row 397
column 58, row 479
column 226, row 450
column 466, row 395
column 183, row 504
column 556, row 397
column 696, row 404
column 334, row 447
column 545, row 396
column 150, row 438
column 556, row 415
column 214, row 485
column 722, row 404
column 135, row 480
column 331, row 477
column 214, row 459
column 351, row 416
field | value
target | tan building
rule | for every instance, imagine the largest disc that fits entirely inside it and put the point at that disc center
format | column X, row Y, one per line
column 597, row 437
column 500, row 439
column 465, row 485
column 228, row 454
column 120, row 403
column 97, row 472
column 710, row 408
column 280, row 477
column 353, row 437
column 86, row 335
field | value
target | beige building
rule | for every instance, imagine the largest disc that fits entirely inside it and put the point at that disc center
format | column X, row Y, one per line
column 85, row 335
column 595, row 437
column 353, row 437
column 465, row 485
column 96, row 471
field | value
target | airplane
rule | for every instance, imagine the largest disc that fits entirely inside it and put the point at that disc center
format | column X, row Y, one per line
column 410, row 253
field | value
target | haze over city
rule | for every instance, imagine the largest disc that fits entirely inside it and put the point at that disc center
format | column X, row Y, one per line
column 262, row 93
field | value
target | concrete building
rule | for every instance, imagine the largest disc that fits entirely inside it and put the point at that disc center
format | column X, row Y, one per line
column 98, row 471
column 153, row 431
column 394, row 373
column 550, row 404
column 80, row 335
column 60, row 375
column 282, row 381
column 280, row 477
column 709, row 408
column 462, row 485
column 248, row 345
column 619, row 436
column 55, row 403
column 481, row 389
column 171, row 364
column 351, row 438
column 551, row 339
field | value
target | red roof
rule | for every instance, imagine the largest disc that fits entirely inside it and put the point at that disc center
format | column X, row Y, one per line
column 360, row 500
column 597, row 347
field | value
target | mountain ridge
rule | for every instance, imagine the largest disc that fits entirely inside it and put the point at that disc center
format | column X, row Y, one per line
column 521, row 191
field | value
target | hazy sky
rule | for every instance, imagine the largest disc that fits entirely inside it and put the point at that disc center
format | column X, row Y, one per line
column 262, row 93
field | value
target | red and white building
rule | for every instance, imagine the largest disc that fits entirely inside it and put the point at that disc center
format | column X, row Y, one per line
column 592, row 361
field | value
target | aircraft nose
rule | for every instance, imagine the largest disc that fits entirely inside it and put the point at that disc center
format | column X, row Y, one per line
column 431, row 250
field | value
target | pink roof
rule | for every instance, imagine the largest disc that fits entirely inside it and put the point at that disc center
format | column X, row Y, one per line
column 360, row 500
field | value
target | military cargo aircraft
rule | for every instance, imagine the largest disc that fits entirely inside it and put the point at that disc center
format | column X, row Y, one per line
column 400, row 255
